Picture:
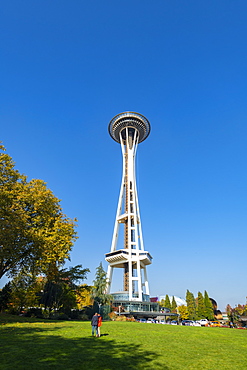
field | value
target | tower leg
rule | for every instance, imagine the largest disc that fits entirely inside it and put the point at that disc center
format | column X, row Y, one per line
column 109, row 279
column 146, row 280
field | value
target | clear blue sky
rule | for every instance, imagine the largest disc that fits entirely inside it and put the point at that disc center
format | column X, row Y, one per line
column 67, row 67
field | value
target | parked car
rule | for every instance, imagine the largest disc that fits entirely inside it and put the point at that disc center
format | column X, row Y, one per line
column 215, row 323
column 188, row 322
column 203, row 322
column 197, row 323
column 150, row 321
column 174, row 322
column 142, row 320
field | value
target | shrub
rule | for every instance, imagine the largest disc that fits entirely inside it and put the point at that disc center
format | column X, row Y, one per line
column 113, row 316
column 34, row 312
column 59, row 316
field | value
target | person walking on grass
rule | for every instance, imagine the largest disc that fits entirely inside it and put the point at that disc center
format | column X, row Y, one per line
column 94, row 324
column 99, row 324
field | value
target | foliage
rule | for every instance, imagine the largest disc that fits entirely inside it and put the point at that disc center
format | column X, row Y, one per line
column 99, row 287
column 174, row 305
column 5, row 295
column 34, row 232
column 209, row 311
column 241, row 310
column 183, row 312
column 200, row 309
column 61, row 292
column 191, row 305
column 161, row 303
column 105, row 310
column 84, row 296
column 234, row 314
column 113, row 316
column 25, row 287
column 167, row 302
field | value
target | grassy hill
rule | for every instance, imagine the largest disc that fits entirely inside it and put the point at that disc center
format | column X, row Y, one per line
column 38, row 344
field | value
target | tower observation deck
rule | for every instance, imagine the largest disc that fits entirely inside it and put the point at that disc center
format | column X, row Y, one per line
column 129, row 129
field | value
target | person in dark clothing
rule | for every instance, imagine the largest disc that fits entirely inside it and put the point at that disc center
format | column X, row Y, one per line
column 94, row 324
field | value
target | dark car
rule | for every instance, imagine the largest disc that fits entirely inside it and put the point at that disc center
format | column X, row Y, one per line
column 188, row 322
column 142, row 320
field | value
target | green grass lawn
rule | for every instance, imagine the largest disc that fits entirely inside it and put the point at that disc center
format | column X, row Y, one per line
column 36, row 344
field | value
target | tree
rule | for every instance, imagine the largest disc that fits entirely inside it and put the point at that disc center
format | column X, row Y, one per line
column 34, row 232
column 24, row 287
column 233, row 315
column 162, row 303
column 191, row 305
column 240, row 309
column 174, row 305
column 168, row 302
column 99, row 287
column 201, row 312
column 209, row 311
column 183, row 312
column 61, row 291
column 84, row 296
column 5, row 295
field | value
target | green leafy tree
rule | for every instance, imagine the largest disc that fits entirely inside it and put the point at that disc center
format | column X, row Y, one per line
column 174, row 305
column 52, row 295
column 5, row 296
column 233, row 315
column 99, row 287
column 60, row 293
column 209, row 311
column 200, row 310
column 168, row 302
column 24, row 288
column 33, row 229
column 191, row 305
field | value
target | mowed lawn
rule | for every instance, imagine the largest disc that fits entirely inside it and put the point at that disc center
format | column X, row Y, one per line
column 36, row 344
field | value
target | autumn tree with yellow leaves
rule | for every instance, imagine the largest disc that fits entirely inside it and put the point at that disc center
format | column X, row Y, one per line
column 34, row 232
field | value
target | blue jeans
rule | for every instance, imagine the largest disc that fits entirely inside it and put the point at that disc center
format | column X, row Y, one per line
column 94, row 329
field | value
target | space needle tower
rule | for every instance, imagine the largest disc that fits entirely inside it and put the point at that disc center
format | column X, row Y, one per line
column 127, row 248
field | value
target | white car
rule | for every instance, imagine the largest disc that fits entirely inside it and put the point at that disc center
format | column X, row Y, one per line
column 203, row 322
column 197, row 323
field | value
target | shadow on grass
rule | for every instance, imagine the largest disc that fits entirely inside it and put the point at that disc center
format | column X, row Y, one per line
column 31, row 348
column 8, row 319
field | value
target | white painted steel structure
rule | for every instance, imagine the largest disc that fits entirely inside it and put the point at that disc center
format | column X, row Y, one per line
column 129, row 129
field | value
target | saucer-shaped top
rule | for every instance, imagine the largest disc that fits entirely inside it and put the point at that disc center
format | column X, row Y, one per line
column 132, row 120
